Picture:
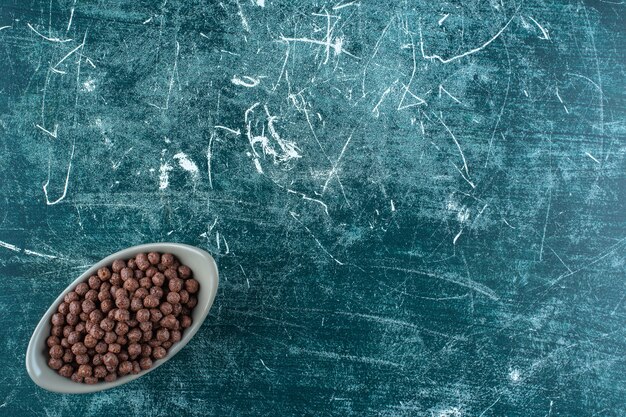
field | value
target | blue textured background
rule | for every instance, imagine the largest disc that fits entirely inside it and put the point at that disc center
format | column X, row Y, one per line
column 417, row 207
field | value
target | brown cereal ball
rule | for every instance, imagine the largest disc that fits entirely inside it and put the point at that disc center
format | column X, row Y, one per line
column 122, row 303
column 106, row 286
column 84, row 370
column 146, row 351
column 142, row 261
column 141, row 293
column 96, row 359
column 184, row 296
column 65, row 343
column 163, row 335
column 55, row 363
column 116, row 279
column 103, row 295
column 110, row 360
column 94, row 282
column 58, row 319
column 63, row 308
column 111, row 377
column 150, row 301
column 75, row 307
column 100, row 371
column 171, row 273
column 155, row 315
column 122, row 356
column 96, row 316
column 90, row 380
column 97, row 332
column 125, row 368
column 127, row 273
column 79, row 348
column 72, row 319
column 185, row 322
column 193, row 301
column 139, row 274
column 169, row 322
column 82, row 288
column 159, row 352
column 91, row 295
column 175, row 284
column 162, row 267
column 157, row 292
column 173, row 298
column 147, row 336
column 166, row 308
column 104, row 273
column 134, row 350
column 132, row 323
column 66, row 371
column 145, row 363
column 118, row 265
column 56, row 331
column 136, row 368
column 167, row 259
column 76, row 378
column 120, row 292
column 154, row 343
column 145, row 282
column 88, row 306
column 175, row 336
column 154, row 258
column 192, row 286
column 143, row 315
column 53, row 341
column 114, row 347
column 177, row 309
column 102, row 347
column 184, row 271
column 81, row 359
column 136, row 304
column 83, row 317
column 68, row 356
column 167, row 344
column 134, row 335
column 107, row 324
column 151, row 271
column 90, row 341
column 122, row 315
column 110, row 337
column 131, row 263
column 158, row 279
column 145, row 327
column 106, row 305
column 131, row 285
column 56, row 352
column 121, row 328
column 121, row 340
column 71, row 296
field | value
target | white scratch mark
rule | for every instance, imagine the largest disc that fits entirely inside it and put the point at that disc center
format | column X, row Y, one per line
column 545, row 225
column 375, row 109
column 67, row 179
column 246, row 81
column 544, row 32
column 70, row 53
column 449, row 95
column 341, row 6
column 3, row 28
column 260, row 3
column 458, row 235
column 226, row 244
column 187, row 164
column 295, row 216
column 514, row 375
column 26, row 251
column 561, row 100
column 69, row 23
column 489, row 408
column 53, row 133
column 257, row 165
column 443, row 19
column 305, row 197
column 164, row 176
column 393, row 206
column 464, row 54
column 47, row 38
column 333, row 171
column 417, row 100
column 264, row 365
column 456, row 142
column 244, row 21
column 592, row 157
column 9, row 246
column 209, row 155
column 234, row 132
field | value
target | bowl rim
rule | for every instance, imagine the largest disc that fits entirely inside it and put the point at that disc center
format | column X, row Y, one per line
column 50, row 380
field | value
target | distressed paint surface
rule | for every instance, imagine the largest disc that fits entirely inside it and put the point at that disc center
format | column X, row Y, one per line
column 417, row 208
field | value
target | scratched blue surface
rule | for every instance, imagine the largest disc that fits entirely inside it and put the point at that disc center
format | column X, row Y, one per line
column 417, row 207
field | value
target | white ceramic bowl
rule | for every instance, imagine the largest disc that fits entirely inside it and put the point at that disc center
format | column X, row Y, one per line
column 204, row 270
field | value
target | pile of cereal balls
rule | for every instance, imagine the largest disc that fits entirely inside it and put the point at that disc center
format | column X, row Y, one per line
column 120, row 320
